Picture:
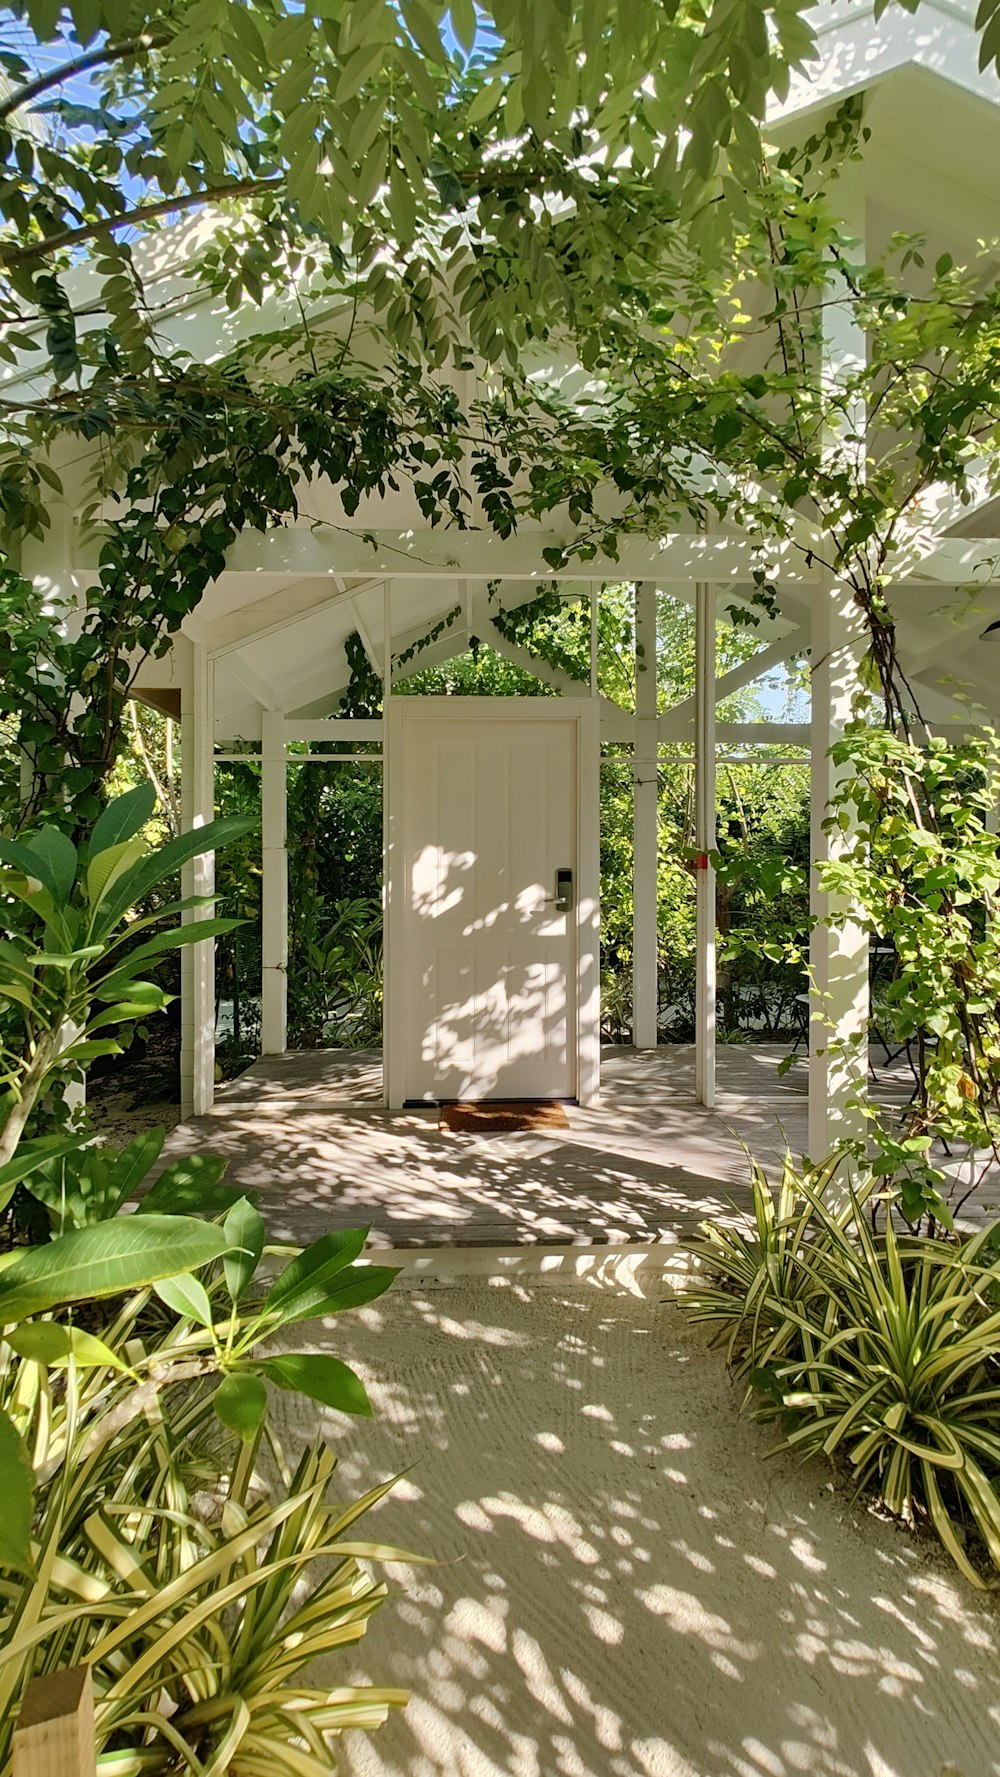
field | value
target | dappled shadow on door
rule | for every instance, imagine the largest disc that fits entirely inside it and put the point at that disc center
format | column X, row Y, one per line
column 490, row 996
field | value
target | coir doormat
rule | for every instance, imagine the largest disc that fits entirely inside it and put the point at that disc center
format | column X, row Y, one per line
column 495, row 1118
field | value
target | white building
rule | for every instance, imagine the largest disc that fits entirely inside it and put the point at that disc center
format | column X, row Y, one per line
column 491, row 806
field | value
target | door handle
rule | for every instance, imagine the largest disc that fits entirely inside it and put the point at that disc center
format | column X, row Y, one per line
column 562, row 900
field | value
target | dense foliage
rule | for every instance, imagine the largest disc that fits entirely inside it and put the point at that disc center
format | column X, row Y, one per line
column 364, row 150
column 143, row 1528
column 877, row 1351
column 927, row 889
column 150, row 1531
column 72, row 972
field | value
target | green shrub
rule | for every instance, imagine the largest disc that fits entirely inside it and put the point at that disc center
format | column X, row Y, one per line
column 139, row 1531
column 173, row 1560
column 151, row 1525
column 874, row 1349
column 71, row 972
column 335, row 978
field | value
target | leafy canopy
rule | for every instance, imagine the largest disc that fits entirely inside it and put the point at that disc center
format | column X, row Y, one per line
column 375, row 149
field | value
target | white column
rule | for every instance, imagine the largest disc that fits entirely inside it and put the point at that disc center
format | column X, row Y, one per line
column 197, row 878
column 392, row 1066
column 47, row 562
column 705, row 839
column 838, row 1027
column 838, row 951
column 274, row 884
column 645, row 824
column 595, row 593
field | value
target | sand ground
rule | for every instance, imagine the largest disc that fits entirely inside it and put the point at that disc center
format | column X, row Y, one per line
column 626, row 1588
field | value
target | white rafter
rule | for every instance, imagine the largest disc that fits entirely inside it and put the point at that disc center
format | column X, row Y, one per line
column 726, row 557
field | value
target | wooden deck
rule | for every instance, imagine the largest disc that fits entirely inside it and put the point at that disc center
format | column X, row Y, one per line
column 308, row 1133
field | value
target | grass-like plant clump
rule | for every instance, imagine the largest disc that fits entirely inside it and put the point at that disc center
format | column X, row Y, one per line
column 877, row 1349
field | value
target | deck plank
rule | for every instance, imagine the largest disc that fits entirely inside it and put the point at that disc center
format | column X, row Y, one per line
column 307, row 1132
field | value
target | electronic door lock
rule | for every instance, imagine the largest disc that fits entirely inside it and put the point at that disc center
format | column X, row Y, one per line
column 562, row 900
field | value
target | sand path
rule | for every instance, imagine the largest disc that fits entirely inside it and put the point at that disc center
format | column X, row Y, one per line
column 627, row 1589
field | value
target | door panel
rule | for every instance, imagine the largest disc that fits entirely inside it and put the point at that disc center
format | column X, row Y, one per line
column 489, row 966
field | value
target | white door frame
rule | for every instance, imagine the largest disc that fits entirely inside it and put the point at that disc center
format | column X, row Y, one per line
column 584, row 712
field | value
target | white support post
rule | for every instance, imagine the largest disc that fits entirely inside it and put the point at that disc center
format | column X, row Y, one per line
column 705, row 839
column 197, row 878
column 47, row 562
column 274, row 884
column 838, row 951
column 838, row 1028
column 595, row 593
column 645, row 825
column 391, row 1026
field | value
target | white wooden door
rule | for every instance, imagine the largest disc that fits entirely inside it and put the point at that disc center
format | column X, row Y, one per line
column 489, row 963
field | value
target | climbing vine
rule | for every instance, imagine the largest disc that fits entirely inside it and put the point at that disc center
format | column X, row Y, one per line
column 189, row 466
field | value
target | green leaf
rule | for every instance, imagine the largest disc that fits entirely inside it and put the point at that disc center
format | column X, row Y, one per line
column 322, row 1378
column 89, row 1051
column 241, row 1402
column 464, row 23
column 195, row 933
column 122, row 819
column 13, row 992
column 147, row 996
column 16, row 1490
column 352, row 1289
column 142, row 878
column 148, row 999
column 50, row 1342
column 187, row 1297
column 104, row 870
column 21, row 857
column 29, row 1158
column 106, row 1260
column 133, row 1163
column 244, row 1230
column 191, row 1187
column 16, row 961
column 358, row 68
column 305, row 1279
column 59, row 854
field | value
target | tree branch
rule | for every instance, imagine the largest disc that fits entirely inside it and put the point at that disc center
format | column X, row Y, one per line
column 110, row 52
column 71, row 237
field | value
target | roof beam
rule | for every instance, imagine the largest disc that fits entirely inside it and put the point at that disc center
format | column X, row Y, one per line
column 259, row 689
column 924, row 526
column 746, row 673
column 276, row 608
column 322, row 690
column 793, row 734
column 949, row 561
column 956, row 640
column 537, row 668
column 619, row 726
column 290, row 552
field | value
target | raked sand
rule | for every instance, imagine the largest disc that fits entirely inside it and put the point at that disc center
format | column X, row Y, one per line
column 626, row 1588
